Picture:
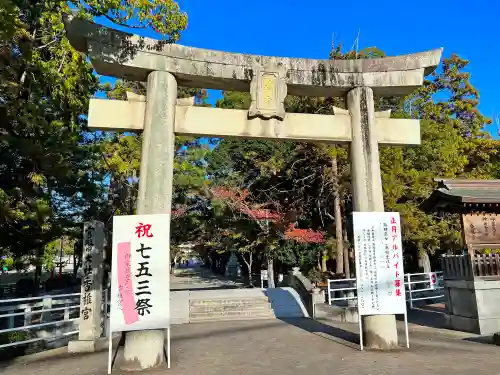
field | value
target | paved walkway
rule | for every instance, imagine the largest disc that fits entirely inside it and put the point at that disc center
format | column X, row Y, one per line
column 292, row 347
column 295, row 347
column 198, row 278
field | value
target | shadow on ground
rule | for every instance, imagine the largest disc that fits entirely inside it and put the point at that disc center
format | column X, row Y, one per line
column 229, row 331
column 426, row 317
column 434, row 317
column 335, row 334
column 204, row 274
column 487, row 339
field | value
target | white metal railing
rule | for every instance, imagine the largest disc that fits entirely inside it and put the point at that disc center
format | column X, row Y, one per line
column 48, row 308
column 346, row 290
column 423, row 286
column 418, row 286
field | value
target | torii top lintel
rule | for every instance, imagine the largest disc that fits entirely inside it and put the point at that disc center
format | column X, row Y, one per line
column 123, row 55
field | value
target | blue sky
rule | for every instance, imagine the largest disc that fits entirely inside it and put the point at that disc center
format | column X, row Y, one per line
column 304, row 29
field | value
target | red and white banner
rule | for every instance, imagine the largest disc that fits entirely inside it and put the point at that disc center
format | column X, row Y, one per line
column 140, row 277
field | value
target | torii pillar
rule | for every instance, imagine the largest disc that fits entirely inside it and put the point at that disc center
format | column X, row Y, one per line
column 269, row 79
column 379, row 331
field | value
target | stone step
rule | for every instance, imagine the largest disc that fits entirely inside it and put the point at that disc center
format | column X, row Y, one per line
column 229, row 318
column 231, row 307
column 231, row 315
column 230, row 301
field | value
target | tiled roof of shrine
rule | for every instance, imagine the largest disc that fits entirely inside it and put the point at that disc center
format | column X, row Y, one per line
column 463, row 195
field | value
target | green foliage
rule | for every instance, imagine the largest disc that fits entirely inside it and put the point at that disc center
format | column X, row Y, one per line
column 54, row 174
column 52, row 171
column 7, row 262
column 53, row 249
column 300, row 178
column 44, row 153
column 315, row 276
column 162, row 16
column 453, row 146
column 301, row 255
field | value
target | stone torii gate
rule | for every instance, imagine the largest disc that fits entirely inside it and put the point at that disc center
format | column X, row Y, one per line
column 269, row 79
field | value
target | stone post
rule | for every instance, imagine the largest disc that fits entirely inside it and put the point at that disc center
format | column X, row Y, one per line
column 317, row 296
column 91, row 291
column 379, row 331
column 144, row 349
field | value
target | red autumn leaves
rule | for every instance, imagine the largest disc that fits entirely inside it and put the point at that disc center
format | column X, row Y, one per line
column 237, row 200
column 304, row 235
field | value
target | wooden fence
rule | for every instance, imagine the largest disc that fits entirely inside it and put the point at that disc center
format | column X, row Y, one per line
column 465, row 267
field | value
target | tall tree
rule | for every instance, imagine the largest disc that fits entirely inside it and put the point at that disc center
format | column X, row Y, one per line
column 44, row 155
column 47, row 157
column 49, row 164
column 454, row 145
column 162, row 16
column 272, row 171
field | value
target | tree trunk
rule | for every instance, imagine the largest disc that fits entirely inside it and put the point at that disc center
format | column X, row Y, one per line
column 131, row 195
column 270, row 273
column 75, row 265
column 338, row 218
column 347, row 267
column 111, row 192
column 249, row 267
column 38, row 270
column 424, row 262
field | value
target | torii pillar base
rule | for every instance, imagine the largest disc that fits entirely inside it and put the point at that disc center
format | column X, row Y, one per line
column 82, row 346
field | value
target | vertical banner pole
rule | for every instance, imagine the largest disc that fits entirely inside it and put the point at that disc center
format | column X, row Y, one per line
column 358, row 268
column 110, row 349
column 168, row 347
column 406, row 331
column 360, row 318
column 107, row 319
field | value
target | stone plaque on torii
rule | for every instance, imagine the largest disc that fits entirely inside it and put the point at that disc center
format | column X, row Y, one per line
column 161, row 116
